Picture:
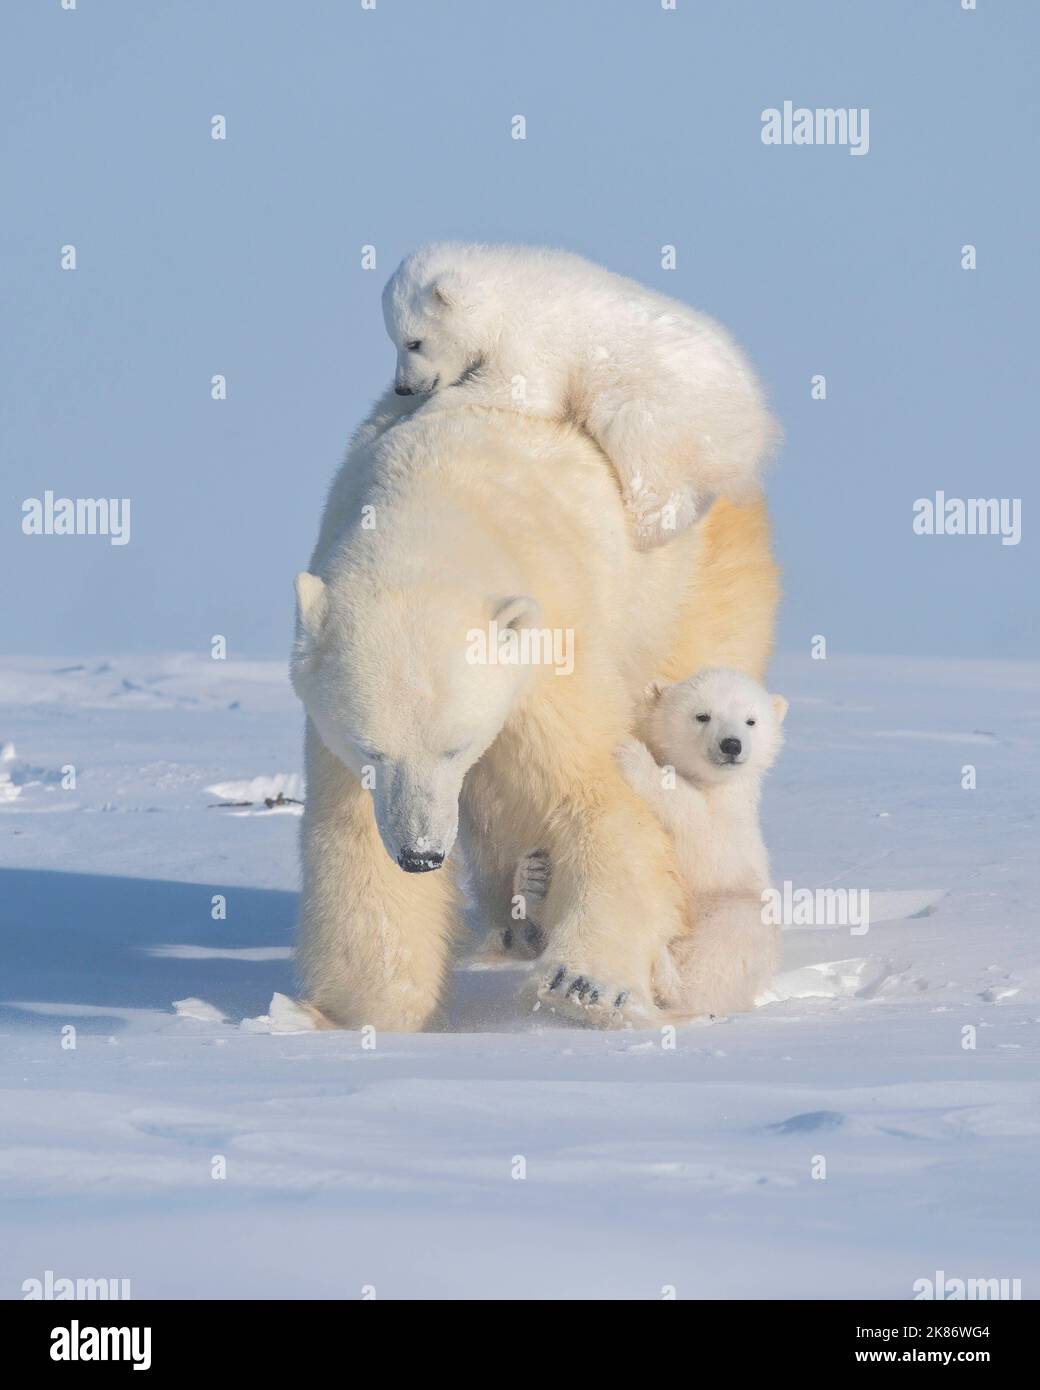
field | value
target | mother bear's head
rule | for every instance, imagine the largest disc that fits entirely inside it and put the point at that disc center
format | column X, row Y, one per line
column 406, row 685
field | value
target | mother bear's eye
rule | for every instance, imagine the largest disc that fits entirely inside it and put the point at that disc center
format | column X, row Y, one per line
column 749, row 721
column 703, row 718
column 414, row 345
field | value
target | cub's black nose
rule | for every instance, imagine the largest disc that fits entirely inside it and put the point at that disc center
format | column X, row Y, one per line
column 420, row 861
column 403, row 391
column 731, row 747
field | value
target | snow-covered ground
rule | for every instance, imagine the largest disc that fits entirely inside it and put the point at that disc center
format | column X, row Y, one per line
column 646, row 1167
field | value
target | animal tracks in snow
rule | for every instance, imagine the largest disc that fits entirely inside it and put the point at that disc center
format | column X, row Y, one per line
column 276, row 794
column 902, row 904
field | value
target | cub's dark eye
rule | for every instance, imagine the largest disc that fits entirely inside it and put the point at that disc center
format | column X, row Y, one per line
column 414, row 345
column 750, row 721
column 703, row 718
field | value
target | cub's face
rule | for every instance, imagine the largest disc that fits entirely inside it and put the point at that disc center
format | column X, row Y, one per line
column 717, row 726
column 395, row 695
column 434, row 331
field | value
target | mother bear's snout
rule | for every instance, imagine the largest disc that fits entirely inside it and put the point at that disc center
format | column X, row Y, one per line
column 417, row 814
column 420, row 861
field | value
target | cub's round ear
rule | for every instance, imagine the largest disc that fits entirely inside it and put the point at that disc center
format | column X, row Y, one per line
column 311, row 605
column 446, row 291
column 653, row 692
column 780, row 707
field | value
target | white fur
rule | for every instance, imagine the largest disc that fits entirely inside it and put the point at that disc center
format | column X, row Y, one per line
column 707, row 793
column 663, row 389
column 409, row 746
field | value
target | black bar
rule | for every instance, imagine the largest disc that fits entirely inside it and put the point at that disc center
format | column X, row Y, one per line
column 301, row 1339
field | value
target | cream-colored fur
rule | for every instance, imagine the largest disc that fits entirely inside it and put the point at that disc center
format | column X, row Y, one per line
column 663, row 389
column 711, row 740
column 436, row 524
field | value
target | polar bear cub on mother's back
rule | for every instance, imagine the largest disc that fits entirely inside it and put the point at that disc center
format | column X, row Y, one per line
column 710, row 741
column 663, row 389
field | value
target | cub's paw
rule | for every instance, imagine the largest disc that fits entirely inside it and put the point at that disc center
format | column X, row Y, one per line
column 658, row 522
column 637, row 765
column 588, row 1000
column 631, row 755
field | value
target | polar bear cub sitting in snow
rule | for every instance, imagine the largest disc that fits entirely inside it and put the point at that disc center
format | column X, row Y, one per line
column 710, row 741
column 664, row 390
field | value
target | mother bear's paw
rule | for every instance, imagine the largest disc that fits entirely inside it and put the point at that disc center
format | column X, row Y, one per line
column 590, row 999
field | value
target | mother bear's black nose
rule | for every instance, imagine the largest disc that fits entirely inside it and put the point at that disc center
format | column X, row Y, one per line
column 730, row 746
column 420, row 861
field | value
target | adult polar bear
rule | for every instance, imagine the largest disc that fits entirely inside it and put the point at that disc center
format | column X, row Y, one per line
column 438, row 524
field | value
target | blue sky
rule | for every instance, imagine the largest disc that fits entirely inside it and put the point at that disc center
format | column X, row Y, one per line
column 389, row 127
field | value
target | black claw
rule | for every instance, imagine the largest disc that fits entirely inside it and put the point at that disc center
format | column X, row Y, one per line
column 579, row 986
column 619, row 1002
column 594, row 996
column 557, row 979
column 507, row 938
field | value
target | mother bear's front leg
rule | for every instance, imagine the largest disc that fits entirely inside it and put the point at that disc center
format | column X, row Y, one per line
column 614, row 901
column 374, row 942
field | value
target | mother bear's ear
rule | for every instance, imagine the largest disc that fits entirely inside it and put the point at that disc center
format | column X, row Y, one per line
column 311, row 606
column 520, row 610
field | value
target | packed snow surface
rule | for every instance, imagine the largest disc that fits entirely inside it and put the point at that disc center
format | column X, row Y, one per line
column 170, row 1117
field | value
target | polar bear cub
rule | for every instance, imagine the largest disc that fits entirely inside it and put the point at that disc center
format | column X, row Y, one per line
column 664, row 390
column 709, row 742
